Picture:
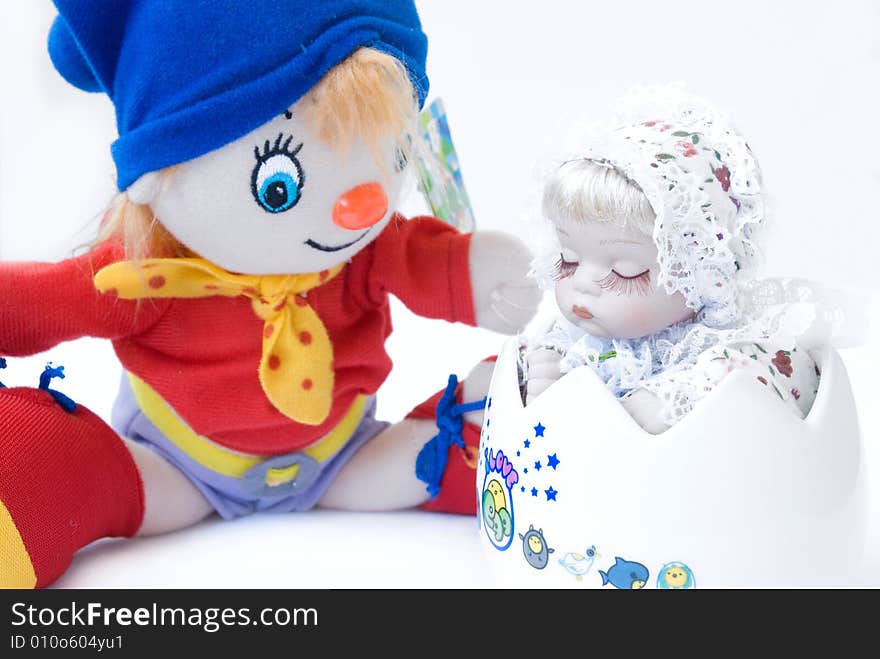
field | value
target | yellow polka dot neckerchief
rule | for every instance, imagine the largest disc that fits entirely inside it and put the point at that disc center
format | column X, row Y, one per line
column 296, row 367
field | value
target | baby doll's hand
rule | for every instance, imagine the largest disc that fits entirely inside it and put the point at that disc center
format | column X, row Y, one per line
column 505, row 298
column 543, row 370
column 645, row 407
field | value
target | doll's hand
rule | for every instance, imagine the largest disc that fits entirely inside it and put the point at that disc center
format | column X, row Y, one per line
column 543, row 370
column 505, row 298
column 644, row 407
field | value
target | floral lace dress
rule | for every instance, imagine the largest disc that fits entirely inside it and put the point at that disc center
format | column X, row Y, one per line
column 683, row 363
column 792, row 376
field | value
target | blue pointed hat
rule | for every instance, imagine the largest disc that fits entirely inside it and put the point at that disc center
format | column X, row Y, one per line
column 188, row 77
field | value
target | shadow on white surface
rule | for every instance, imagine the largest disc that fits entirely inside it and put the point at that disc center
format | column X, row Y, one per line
column 319, row 549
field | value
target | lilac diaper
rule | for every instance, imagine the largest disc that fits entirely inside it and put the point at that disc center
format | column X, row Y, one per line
column 236, row 496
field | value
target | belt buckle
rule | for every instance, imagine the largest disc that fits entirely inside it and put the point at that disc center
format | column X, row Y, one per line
column 255, row 483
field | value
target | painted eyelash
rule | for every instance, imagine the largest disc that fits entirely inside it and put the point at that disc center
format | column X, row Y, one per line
column 277, row 148
column 615, row 282
column 564, row 269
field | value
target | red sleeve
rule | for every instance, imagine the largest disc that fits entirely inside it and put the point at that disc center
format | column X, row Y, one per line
column 424, row 263
column 44, row 304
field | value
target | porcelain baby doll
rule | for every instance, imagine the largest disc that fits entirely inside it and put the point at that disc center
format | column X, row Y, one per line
column 657, row 223
column 243, row 276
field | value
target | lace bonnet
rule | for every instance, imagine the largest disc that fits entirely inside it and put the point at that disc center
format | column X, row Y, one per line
column 704, row 186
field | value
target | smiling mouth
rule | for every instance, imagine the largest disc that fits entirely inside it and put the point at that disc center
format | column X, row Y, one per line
column 334, row 248
column 581, row 312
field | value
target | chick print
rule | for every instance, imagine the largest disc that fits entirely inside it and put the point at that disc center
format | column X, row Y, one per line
column 580, row 564
column 676, row 576
column 535, row 548
column 496, row 517
column 497, row 492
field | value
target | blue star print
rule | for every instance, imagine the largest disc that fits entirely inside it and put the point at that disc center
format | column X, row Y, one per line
column 534, row 491
column 527, row 443
column 552, row 461
column 538, row 466
column 551, row 494
column 539, row 430
column 522, row 488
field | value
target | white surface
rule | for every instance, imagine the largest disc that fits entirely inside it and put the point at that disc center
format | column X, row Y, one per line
column 315, row 550
column 799, row 76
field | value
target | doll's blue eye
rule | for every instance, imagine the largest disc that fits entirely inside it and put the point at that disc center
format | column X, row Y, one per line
column 277, row 178
column 279, row 192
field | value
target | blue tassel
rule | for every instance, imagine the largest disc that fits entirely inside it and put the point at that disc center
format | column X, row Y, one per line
column 46, row 377
column 432, row 459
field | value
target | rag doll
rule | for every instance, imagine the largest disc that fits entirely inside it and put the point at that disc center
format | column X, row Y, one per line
column 243, row 276
column 657, row 225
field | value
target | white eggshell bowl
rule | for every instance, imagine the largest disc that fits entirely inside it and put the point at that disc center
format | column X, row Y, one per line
column 740, row 493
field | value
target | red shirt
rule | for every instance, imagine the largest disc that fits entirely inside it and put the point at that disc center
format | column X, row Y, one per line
column 202, row 356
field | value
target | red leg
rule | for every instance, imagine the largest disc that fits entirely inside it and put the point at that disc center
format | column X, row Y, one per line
column 66, row 479
column 457, row 486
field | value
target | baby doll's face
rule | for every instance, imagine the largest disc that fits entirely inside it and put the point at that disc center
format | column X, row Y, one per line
column 278, row 201
column 606, row 282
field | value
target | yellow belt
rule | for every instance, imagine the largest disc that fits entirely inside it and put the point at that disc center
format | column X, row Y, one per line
column 231, row 463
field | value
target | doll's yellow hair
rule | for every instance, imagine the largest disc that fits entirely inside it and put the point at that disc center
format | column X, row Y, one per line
column 368, row 96
column 581, row 190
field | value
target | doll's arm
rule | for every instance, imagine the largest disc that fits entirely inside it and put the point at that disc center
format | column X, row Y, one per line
column 543, row 369
column 424, row 262
column 478, row 279
column 44, row 304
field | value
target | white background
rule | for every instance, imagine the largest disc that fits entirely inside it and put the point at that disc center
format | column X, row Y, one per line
column 799, row 77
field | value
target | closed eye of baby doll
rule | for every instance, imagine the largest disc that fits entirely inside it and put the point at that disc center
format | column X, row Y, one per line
column 604, row 283
column 615, row 282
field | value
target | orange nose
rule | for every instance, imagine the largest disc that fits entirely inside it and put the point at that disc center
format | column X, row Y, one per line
column 361, row 207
